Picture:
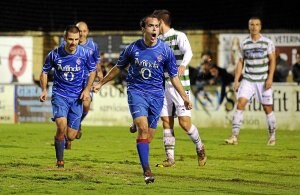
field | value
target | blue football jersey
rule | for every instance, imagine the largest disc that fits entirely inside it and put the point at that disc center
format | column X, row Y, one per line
column 94, row 51
column 69, row 70
column 147, row 64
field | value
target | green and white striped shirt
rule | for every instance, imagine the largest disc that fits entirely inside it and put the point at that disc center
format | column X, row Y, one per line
column 181, row 47
column 256, row 60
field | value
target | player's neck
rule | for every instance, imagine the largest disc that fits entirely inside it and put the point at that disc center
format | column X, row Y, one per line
column 255, row 37
column 165, row 29
column 70, row 51
column 150, row 43
column 83, row 42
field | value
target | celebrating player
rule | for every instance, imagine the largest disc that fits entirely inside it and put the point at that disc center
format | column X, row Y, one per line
column 147, row 58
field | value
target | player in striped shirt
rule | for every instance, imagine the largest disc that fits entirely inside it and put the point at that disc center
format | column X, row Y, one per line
column 173, row 104
column 258, row 60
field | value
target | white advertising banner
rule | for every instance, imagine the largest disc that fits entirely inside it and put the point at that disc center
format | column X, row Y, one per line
column 7, row 104
column 16, row 60
column 110, row 108
column 286, row 98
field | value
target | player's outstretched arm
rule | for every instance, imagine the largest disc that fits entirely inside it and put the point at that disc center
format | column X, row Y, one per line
column 110, row 76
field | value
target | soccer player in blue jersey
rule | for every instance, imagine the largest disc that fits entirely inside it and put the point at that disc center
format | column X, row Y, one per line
column 147, row 58
column 93, row 48
column 69, row 61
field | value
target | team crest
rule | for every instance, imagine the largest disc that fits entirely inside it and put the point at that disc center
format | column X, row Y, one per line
column 159, row 58
column 78, row 61
column 91, row 52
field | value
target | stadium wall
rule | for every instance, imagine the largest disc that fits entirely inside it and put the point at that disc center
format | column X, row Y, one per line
column 19, row 96
column 20, row 103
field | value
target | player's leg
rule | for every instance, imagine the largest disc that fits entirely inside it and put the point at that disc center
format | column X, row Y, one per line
column 59, row 140
column 154, row 111
column 138, row 107
column 143, row 147
column 168, row 141
column 192, row 131
column 74, row 119
column 60, row 109
column 86, row 109
column 167, row 118
column 245, row 92
column 266, row 100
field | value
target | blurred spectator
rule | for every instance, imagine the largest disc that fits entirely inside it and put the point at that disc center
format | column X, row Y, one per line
column 199, row 73
column 296, row 69
column 202, row 79
column 220, row 77
column 282, row 68
column 103, row 63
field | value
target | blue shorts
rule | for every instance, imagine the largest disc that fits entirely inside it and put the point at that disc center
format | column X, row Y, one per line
column 141, row 104
column 69, row 108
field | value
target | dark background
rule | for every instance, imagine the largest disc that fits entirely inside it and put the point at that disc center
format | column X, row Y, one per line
column 125, row 15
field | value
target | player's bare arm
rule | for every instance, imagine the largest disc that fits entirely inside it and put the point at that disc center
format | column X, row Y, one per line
column 272, row 65
column 110, row 76
column 181, row 70
column 238, row 74
column 99, row 75
column 43, row 84
column 178, row 86
column 86, row 92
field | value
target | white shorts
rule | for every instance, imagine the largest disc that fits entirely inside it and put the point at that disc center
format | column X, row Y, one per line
column 172, row 97
column 248, row 89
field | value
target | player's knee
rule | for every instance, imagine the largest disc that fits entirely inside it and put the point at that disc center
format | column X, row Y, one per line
column 86, row 109
column 142, row 128
column 185, row 124
column 61, row 129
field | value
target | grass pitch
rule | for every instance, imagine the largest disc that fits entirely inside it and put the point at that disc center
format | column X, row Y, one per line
column 105, row 161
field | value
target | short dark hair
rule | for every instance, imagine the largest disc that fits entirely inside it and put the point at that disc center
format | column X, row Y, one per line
column 256, row 18
column 164, row 15
column 71, row 28
column 143, row 20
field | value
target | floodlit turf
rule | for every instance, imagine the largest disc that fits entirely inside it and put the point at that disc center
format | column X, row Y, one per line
column 105, row 161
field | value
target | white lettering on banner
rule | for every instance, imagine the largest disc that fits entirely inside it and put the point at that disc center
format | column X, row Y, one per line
column 109, row 108
column 286, row 107
column 111, row 92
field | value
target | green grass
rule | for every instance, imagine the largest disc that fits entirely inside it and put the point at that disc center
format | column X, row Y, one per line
column 105, row 161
